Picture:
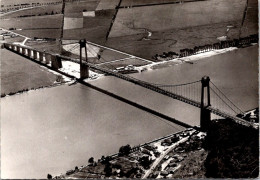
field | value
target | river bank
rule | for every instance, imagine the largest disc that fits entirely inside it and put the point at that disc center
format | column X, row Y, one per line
column 185, row 154
column 158, row 158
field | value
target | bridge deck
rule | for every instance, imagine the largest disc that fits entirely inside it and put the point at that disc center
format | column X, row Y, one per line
column 151, row 87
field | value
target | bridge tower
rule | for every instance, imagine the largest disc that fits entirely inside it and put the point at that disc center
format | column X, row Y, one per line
column 205, row 117
column 84, row 69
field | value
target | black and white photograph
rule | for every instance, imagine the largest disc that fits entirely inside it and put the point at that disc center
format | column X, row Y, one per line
column 129, row 89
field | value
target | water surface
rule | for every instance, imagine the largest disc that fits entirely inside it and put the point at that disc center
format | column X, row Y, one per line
column 55, row 129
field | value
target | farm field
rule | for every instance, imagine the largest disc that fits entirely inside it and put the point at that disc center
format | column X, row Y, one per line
column 41, row 33
column 29, row 26
column 76, row 7
column 50, row 21
column 146, row 2
column 164, row 17
column 107, row 4
column 250, row 25
column 179, row 38
column 172, row 40
column 51, row 46
column 94, row 28
column 35, row 11
column 26, row 1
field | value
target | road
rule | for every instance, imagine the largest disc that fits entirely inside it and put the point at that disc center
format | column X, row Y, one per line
column 158, row 160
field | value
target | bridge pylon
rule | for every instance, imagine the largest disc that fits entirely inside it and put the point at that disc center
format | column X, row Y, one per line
column 84, row 69
column 205, row 116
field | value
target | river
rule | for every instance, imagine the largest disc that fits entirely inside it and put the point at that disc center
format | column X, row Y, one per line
column 55, row 129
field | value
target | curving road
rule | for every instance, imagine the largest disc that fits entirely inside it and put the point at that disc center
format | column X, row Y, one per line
column 158, row 160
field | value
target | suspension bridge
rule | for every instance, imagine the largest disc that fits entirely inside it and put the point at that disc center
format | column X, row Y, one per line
column 203, row 93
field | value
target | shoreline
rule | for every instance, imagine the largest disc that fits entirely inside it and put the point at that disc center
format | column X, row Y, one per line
column 167, row 157
column 182, row 136
column 72, row 69
column 187, row 59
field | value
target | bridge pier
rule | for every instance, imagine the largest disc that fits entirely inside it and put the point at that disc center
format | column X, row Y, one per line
column 12, row 47
column 56, row 62
column 35, row 54
column 41, row 56
column 18, row 49
column 29, row 53
column 205, row 114
column 47, row 58
column 23, row 51
column 84, row 69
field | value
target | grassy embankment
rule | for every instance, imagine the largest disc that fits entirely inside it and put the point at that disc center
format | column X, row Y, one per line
column 19, row 74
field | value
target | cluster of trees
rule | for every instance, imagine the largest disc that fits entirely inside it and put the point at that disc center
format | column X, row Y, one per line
column 145, row 161
column 193, row 144
column 124, row 150
column 208, row 47
column 166, row 55
column 44, row 14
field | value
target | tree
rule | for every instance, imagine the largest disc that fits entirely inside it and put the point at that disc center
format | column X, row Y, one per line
column 91, row 160
column 145, row 162
column 108, row 170
column 49, row 176
column 106, row 160
column 125, row 150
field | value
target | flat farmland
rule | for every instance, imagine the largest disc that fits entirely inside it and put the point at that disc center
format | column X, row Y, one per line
column 35, row 11
column 250, row 25
column 107, row 4
column 41, row 33
column 146, row 2
column 109, row 55
column 37, row 22
column 164, row 17
column 51, row 46
column 94, row 28
column 26, row 1
column 76, row 7
column 180, row 38
column 95, row 34
column 172, row 40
